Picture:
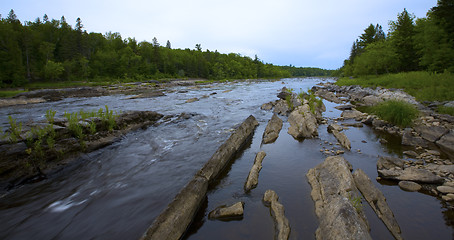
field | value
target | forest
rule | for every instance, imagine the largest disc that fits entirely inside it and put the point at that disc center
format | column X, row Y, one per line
column 53, row 50
column 424, row 44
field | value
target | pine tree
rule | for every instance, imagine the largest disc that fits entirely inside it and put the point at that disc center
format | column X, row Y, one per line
column 402, row 36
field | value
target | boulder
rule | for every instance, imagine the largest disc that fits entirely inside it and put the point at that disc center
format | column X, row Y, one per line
column 267, row 106
column 272, row 129
column 344, row 107
column 410, row 153
column 277, row 211
column 334, row 126
column 334, row 192
column 284, row 93
column 232, row 212
column 354, row 124
column 389, row 162
column 342, row 139
column 303, row 123
column 371, row 100
column 446, row 143
column 281, row 108
column 408, row 139
column 431, row 134
column 440, row 168
column 409, row 186
column 445, row 189
column 348, row 114
column 377, row 202
column 253, row 177
column 411, row 174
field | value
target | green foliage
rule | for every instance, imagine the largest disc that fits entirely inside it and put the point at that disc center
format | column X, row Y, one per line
column 14, row 130
column 50, row 115
column 289, row 100
column 10, row 93
column 446, row 110
column 356, row 202
column 424, row 86
column 314, row 102
column 397, row 112
column 53, row 70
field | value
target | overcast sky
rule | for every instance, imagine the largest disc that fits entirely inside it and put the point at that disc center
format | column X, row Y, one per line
column 306, row 33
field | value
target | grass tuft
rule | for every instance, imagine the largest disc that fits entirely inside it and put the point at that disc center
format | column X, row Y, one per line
column 397, row 112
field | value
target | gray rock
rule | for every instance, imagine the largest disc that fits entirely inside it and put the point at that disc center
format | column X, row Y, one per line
column 446, row 143
column 409, row 186
column 411, row 174
column 284, row 93
column 412, row 154
column 355, row 124
column 389, row 162
column 371, row 100
column 192, row 100
column 445, row 189
column 277, row 211
column 440, row 168
column 267, row 106
column 332, row 188
column 253, row 177
column 303, row 123
column 431, row 134
column 377, row 123
column 377, row 202
column 272, row 129
column 234, row 211
column 342, row 139
column 348, row 114
column 408, row 139
column 281, row 108
column 334, row 126
column 344, row 107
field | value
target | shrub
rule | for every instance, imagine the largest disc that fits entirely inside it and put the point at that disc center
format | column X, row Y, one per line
column 397, row 112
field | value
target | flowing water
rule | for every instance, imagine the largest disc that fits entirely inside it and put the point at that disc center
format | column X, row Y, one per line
column 116, row 192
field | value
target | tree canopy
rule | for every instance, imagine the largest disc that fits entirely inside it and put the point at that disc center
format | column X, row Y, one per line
column 54, row 50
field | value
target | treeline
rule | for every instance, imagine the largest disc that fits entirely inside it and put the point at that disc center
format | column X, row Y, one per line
column 425, row 44
column 54, row 50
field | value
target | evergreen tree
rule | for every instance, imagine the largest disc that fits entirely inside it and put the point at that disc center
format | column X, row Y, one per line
column 402, row 37
column 168, row 45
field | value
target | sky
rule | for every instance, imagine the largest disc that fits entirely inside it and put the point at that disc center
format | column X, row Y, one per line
column 303, row 33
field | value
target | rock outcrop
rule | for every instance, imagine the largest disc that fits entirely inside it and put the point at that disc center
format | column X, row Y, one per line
column 272, row 129
column 278, row 212
column 303, row 123
column 377, row 202
column 333, row 189
column 253, row 177
column 394, row 169
column 446, row 143
column 409, row 186
column 342, row 139
column 232, row 212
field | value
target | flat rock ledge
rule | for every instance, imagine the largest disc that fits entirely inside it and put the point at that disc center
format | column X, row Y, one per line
column 333, row 189
column 377, row 202
column 281, row 223
column 253, row 177
column 173, row 222
column 225, row 213
column 342, row 139
column 272, row 129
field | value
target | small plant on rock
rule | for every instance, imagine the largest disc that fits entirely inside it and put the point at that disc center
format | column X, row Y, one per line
column 14, row 130
column 356, row 202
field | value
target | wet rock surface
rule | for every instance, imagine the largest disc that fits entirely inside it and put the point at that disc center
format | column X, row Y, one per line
column 409, row 186
column 253, row 177
column 232, row 212
column 272, row 129
column 282, row 226
column 303, row 123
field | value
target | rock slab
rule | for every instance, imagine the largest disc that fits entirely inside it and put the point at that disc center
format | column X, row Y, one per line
column 272, row 129
column 332, row 188
column 342, row 139
column 277, row 211
column 253, row 177
column 377, row 202
column 409, row 186
column 234, row 211
column 303, row 123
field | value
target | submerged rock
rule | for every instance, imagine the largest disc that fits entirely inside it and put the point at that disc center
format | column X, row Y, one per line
column 347, row 114
column 303, row 123
column 411, row 174
column 272, row 129
column 277, row 211
column 409, row 186
column 334, row 126
column 231, row 212
column 334, row 191
column 342, row 139
column 253, row 177
column 377, row 202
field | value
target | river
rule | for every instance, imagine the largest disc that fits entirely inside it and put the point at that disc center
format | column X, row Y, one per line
column 116, row 192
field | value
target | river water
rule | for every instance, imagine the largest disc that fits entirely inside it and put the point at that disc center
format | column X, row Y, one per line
column 116, row 192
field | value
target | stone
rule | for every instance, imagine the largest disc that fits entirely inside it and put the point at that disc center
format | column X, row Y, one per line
column 281, row 108
column 409, row 186
column 412, row 154
column 440, row 168
column 348, row 114
column 431, row 134
column 253, row 177
column 192, row 100
column 344, row 107
column 303, row 123
column 368, row 121
column 272, row 129
column 232, row 212
column 333, row 187
column 342, row 139
column 411, row 174
column 408, row 139
column 334, row 126
column 446, row 144
column 267, row 106
column 284, row 94
column 377, row 202
column 445, row 189
column 378, row 123
column 281, row 223
column 355, row 124
column 389, row 162
column 371, row 100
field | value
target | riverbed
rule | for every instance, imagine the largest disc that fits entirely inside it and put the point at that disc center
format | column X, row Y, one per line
column 116, row 192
